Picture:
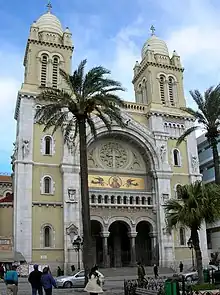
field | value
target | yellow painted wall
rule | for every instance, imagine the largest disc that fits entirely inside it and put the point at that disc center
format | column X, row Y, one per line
column 139, row 118
column 6, row 221
column 184, row 157
column 182, row 253
column 47, row 215
column 54, row 172
column 49, row 159
column 52, row 255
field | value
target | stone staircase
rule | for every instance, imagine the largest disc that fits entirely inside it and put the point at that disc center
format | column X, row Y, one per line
column 132, row 271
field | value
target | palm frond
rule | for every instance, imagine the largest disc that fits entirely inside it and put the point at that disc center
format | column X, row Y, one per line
column 105, row 119
column 185, row 134
column 91, row 124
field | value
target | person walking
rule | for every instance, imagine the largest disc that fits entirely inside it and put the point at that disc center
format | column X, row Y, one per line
column 47, row 281
column 2, row 272
column 11, row 281
column 35, row 281
column 181, row 266
column 94, row 285
column 156, row 271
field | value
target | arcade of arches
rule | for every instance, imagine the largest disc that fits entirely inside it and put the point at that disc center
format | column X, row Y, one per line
column 120, row 247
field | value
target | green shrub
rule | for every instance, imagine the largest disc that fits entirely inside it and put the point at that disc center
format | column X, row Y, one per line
column 201, row 287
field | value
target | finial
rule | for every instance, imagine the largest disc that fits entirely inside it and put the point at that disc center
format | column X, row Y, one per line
column 152, row 28
column 49, row 6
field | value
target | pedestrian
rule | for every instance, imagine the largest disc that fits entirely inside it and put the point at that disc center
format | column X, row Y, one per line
column 181, row 266
column 47, row 281
column 11, row 281
column 141, row 273
column 94, row 285
column 2, row 272
column 73, row 268
column 59, row 271
column 156, row 271
column 35, row 281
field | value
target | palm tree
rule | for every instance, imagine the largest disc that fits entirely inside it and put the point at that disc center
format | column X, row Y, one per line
column 197, row 203
column 208, row 115
column 90, row 95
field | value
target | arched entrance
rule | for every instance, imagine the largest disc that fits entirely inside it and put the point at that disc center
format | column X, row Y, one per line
column 97, row 244
column 119, row 244
column 144, row 251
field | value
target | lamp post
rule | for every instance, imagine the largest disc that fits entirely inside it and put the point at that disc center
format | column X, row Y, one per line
column 190, row 246
column 77, row 246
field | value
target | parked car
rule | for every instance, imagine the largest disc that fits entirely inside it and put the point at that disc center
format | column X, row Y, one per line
column 192, row 276
column 74, row 281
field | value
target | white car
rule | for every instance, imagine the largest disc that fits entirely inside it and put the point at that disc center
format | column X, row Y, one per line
column 193, row 276
column 74, row 281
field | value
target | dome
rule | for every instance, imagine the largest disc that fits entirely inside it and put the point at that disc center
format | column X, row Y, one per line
column 50, row 23
column 155, row 44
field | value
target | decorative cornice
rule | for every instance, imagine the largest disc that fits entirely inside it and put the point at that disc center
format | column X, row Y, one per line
column 175, row 116
column 163, row 66
column 18, row 102
column 47, row 204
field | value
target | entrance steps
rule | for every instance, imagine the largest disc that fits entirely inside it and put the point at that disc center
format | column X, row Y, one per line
column 132, row 271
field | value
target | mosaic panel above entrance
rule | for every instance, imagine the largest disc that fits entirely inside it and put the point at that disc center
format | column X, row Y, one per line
column 116, row 182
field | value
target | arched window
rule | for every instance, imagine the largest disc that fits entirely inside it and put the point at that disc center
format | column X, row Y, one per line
column 47, row 185
column 171, row 90
column 47, row 145
column 176, row 157
column 178, row 191
column 162, row 89
column 47, row 236
column 92, row 199
column 106, row 199
column 137, row 200
column 143, row 201
column 118, row 199
column 99, row 199
column 182, row 237
column 125, row 200
column 44, row 63
column 55, row 72
column 131, row 200
column 112, row 199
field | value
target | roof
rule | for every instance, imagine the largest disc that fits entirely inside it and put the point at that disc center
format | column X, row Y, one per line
column 5, row 178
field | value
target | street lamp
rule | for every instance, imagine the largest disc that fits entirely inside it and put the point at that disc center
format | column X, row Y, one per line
column 71, row 194
column 77, row 246
column 190, row 246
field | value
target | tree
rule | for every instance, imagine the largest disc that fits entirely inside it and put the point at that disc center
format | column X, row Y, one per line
column 197, row 203
column 208, row 115
column 89, row 95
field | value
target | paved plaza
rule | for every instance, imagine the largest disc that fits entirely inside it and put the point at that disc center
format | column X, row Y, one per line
column 111, row 287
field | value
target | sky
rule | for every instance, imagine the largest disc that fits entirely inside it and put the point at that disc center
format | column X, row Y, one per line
column 110, row 33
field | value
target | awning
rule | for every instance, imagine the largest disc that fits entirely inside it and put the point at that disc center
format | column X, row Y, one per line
column 11, row 256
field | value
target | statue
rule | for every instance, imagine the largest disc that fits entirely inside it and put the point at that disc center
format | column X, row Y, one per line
column 195, row 164
column 163, row 152
column 25, row 148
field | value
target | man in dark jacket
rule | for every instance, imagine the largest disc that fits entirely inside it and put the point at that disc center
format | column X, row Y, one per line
column 35, row 281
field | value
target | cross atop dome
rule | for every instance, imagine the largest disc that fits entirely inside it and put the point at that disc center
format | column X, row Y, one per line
column 49, row 6
column 152, row 28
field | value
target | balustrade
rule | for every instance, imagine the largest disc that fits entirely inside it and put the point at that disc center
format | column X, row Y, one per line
column 121, row 200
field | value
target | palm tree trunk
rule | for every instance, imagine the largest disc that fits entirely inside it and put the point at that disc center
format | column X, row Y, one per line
column 214, row 145
column 87, row 244
column 196, row 245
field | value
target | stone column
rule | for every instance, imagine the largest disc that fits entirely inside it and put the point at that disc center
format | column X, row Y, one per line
column 106, row 262
column 154, row 254
column 133, row 248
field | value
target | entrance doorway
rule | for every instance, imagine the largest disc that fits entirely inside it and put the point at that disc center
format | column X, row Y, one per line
column 144, row 243
column 119, row 244
column 97, row 245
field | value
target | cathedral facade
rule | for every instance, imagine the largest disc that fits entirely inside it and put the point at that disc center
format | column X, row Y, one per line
column 132, row 171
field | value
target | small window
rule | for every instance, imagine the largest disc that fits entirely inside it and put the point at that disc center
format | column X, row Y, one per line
column 182, row 237
column 44, row 62
column 47, row 185
column 176, row 157
column 178, row 191
column 106, row 199
column 171, row 90
column 47, row 145
column 162, row 89
column 137, row 200
column 149, row 201
column 47, row 236
column 118, row 199
column 92, row 199
column 143, row 201
column 125, row 200
column 99, row 199
column 112, row 199
column 55, row 72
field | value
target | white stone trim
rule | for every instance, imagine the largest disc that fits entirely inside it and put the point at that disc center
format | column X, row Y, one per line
column 175, row 189
column 43, row 145
column 52, row 185
column 179, row 156
column 42, row 238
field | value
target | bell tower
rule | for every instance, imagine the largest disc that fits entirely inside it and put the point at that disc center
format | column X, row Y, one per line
column 49, row 48
column 158, row 79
